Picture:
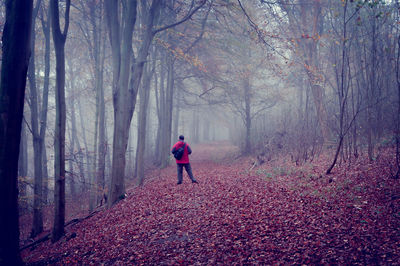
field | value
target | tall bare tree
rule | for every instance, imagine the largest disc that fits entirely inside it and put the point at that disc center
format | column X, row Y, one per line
column 37, row 226
column 127, row 76
column 120, row 38
column 45, row 98
column 14, row 66
column 141, row 141
column 59, row 39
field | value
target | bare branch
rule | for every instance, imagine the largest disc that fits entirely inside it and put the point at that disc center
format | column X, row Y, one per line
column 188, row 16
column 258, row 31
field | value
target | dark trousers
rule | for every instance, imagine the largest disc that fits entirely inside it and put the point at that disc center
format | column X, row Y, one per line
column 179, row 167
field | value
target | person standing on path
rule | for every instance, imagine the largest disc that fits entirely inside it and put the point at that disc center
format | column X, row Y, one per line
column 184, row 160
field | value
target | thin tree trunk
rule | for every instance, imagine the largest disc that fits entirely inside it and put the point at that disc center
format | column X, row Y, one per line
column 94, row 191
column 89, row 168
column 23, row 169
column 141, row 141
column 176, row 118
column 158, row 113
column 45, row 98
column 79, row 161
column 247, row 100
column 161, row 117
column 371, row 96
column 37, row 226
column 59, row 39
column 93, row 175
column 45, row 173
column 102, row 132
column 72, row 145
column 397, row 133
column 167, row 131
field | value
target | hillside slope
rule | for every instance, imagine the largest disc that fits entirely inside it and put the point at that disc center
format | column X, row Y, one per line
column 277, row 213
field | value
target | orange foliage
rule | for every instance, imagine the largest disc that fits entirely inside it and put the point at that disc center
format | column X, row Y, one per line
column 181, row 55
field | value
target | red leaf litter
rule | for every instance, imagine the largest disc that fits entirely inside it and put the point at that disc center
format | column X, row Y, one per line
column 277, row 213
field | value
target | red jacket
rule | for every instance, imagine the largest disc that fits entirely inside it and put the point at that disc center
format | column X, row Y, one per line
column 186, row 152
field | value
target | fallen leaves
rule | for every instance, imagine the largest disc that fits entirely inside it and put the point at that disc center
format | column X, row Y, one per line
column 237, row 217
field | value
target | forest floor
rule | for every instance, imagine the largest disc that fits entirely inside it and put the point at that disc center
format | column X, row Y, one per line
column 277, row 213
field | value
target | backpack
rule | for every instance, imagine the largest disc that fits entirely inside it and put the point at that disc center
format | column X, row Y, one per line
column 179, row 152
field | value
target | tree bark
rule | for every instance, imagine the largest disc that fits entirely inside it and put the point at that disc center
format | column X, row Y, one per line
column 342, row 89
column 88, row 172
column 161, row 116
column 23, row 169
column 124, row 96
column 37, row 226
column 247, row 101
column 102, row 145
column 15, row 60
column 371, row 93
column 176, row 117
column 141, row 141
column 45, row 98
column 169, row 96
column 98, row 77
column 397, row 129
column 121, row 56
column 59, row 39
column 71, row 175
column 102, row 137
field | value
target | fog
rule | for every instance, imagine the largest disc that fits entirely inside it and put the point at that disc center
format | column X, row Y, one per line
column 294, row 78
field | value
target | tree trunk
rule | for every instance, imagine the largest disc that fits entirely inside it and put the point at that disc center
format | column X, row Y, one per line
column 45, row 173
column 93, row 175
column 79, row 161
column 247, row 101
column 161, row 117
column 195, row 126
column 77, row 156
column 59, row 39
column 88, row 172
column 397, row 129
column 71, row 175
column 206, row 129
column 23, row 169
column 15, row 60
column 45, row 98
column 167, row 131
column 342, row 90
column 37, row 226
column 124, row 98
column 176, row 117
column 141, row 141
column 96, row 54
column 371, row 93
column 102, row 133
column 99, row 72
column 121, row 57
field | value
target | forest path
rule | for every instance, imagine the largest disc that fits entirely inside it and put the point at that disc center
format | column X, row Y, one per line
column 231, row 216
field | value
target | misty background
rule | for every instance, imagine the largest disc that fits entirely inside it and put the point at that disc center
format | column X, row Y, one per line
column 294, row 78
